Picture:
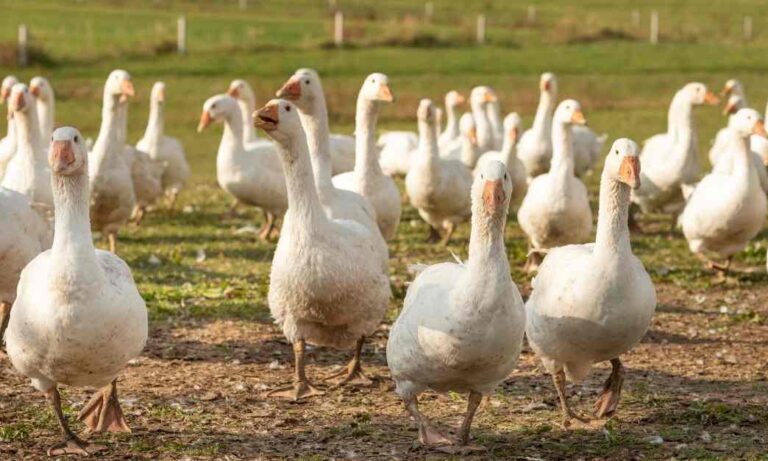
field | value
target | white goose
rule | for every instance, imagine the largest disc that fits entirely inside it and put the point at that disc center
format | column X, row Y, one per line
column 8, row 143
column 593, row 302
column 367, row 178
column 727, row 208
column 555, row 210
column 306, row 91
column 671, row 159
column 493, row 112
column 720, row 143
column 759, row 145
column 28, row 171
column 246, row 101
column 451, row 134
column 535, row 146
column 45, row 100
column 162, row 148
column 465, row 149
column 253, row 176
column 513, row 126
column 734, row 87
column 479, row 99
column 112, row 196
column 327, row 286
column 78, row 317
column 438, row 188
column 461, row 326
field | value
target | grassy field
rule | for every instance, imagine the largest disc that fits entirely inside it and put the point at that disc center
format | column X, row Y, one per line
column 699, row 379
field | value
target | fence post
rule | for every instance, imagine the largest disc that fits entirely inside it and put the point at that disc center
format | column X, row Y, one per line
column 243, row 5
column 531, row 14
column 480, row 29
column 23, row 36
column 748, row 27
column 181, row 35
column 338, row 28
column 429, row 11
column 654, row 27
column 636, row 18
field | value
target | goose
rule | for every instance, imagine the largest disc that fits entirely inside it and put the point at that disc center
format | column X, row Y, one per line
column 45, row 100
column 8, row 143
column 112, row 195
column 758, row 144
column 254, row 176
column 453, row 101
column 27, row 172
column 438, row 188
column 163, row 148
column 466, row 151
column 586, row 149
column 367, row 178
column 493, row 113
column 305, row 90
column 593, row 302
column 727, row 208
column 535, row 146
column 246, row 101
column 479, row 99
column 78, row 317
column 734, row 87
column 461, row 326
column 327, row 286
column 555, row 210
column 25, row 234
column 513, row 125
column 670, row 159
column 720, row 143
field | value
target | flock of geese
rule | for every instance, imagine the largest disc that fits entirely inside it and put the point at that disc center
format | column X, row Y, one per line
column 71, row 314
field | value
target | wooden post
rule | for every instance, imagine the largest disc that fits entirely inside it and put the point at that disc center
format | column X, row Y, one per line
column 531, row 14
column 429, row 11
column 636, row 19
column 243, row 5
column 338, row 28
column 23, row 36
column 654, row 27
column 747, row 27
column 181, row 35
column 480, row 29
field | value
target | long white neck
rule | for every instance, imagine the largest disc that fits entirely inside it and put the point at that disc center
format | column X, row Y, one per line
column 30, row 148
column 483, row 127
column 562, row 150
column 682, row 132
column 452, row 122
column 468, row 151
column 122, row 122
column 246, row 108
column 612, row 238
column 11, row 130
column 428, row 151
column 73, row 254
column 232, row 137
column 45, row 113
column 107, row 147
column 494, row 118
column 155, row 128
column 508, row 151
column 366, row 154
column 742, row 161
column 303, row 201
column 315, row 123
column 542, row 123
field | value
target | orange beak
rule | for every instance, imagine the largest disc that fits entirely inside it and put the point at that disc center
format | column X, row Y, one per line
column 161, row 96
column 290, row 90
column 727, row 89
column 267, row 117
column 35, row 90
column 489, row 97
column 460, row 99
column 17, row 103
column 126, row 89
column 234, row 92
column 4, row 93
column 493, row 195
column 205, row 120
column 578, row 118
column 629, row 171
column 729, row 109
column 385, row 94
column 62, row 156
column 513, row 133
column 472, row 135
column 759, row 129
column 711, row 99
column 544, row 85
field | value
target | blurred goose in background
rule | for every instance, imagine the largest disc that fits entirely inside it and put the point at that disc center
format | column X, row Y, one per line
column 8, row 143
column 28, row 172
column 438, row 188
column 78, row 318
column 246, row 101
column 45, row 100
column 727, row 208
column 479, row 99
column 513, row 126
column 164, row 149
column 461, row 326
column 670, row 160
column 720, row 143
column 759, row 144
column 593, row 302
column 367, row 178
column 555, row 210
column 327, row 285
column 253, row 175
column 453, row 101
column 734, row 87
column 535, row 146
column 493, row 112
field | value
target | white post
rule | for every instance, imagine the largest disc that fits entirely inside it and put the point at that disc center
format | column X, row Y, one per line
column 654, row 27
column 338, row 28
column 531, row 14
column 480, row 29
column 636, row 18
column 23, row 36
column 748, row 27
column 243, row 5
column 181, row 35
column 429, row 11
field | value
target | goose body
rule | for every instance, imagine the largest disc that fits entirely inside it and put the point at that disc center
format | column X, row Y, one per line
column 586, row 149
column 508, row 156
column 8, row 143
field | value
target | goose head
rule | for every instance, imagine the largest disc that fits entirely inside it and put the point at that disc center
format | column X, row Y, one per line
column 732, row 87
column 41, row 88
column 426, row 115
column 454, row 99
column 467, row 128
column 119, row 85
column 240, row 89
column 548, row 83
column 481, row 96
column 734, row 104
column 569, row 112
column 491, row 190
column 5, row 87
column 157, row 96
column 747, row 122
column 68, row 154
column 376, row 88
column 302, row 88
column 697, row 93
column 20, row 99
column 513, row 127
column 622, row 163
column 216, row 108
column 280, row 120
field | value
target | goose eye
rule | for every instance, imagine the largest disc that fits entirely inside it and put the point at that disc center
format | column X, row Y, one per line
column 306, row 82
column 287, row 108
column 77, row 139
column 617, row 151
column 505, row 176
column 213, row 106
